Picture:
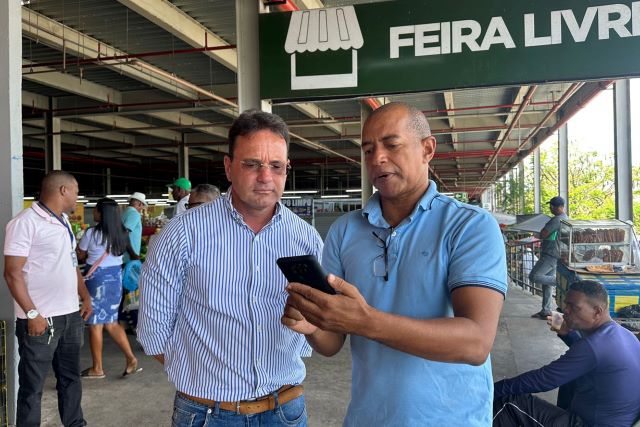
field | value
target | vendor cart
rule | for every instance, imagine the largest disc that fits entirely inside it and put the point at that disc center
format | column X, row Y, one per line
column 604, row 251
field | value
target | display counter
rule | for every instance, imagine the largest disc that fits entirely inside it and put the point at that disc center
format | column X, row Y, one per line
column 604, row 251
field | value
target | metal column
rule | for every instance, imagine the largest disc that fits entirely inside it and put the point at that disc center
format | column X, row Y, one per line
column 183, row 157
column 107, row 181
column 563, row 165
column 248, row 54
column 365, row 183
column 52, row 142
column 12, row 186
column 536, row 180
column 622, row 150
column 513, row 191
column 521, row 187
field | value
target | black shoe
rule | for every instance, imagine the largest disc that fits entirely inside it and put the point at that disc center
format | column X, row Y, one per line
column 541, row 315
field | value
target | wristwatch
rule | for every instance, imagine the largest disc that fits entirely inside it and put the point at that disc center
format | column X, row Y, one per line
column 32, row 314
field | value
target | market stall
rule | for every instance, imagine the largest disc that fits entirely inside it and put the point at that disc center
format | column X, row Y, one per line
column 605, row 251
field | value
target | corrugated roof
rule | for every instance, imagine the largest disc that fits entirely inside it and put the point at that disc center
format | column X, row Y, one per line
column 323, row 29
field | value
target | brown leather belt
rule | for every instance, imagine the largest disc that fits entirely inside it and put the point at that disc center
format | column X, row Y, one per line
column 285, row 394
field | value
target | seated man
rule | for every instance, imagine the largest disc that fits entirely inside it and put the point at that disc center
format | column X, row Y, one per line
column 602, row 362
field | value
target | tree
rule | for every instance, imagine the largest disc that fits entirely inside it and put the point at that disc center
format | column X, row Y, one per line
column 591, row 183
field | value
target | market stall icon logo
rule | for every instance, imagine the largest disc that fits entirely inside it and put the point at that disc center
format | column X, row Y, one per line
column 334, row 29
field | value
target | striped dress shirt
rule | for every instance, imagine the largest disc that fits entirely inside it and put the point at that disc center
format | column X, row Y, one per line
column 212, row 297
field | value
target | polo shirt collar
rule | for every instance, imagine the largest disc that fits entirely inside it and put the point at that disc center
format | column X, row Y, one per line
column 373, row 210
column 45, row 214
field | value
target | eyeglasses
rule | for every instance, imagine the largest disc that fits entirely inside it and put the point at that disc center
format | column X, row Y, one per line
column 193, row 205
column 276, row 168
column 381, row 262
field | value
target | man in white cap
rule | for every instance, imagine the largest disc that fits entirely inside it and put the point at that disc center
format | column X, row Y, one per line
column 132, row 221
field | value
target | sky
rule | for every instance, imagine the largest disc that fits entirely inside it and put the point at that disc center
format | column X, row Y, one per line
column 592, row 127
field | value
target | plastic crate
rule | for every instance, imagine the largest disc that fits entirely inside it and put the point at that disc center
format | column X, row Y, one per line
column 622, row 296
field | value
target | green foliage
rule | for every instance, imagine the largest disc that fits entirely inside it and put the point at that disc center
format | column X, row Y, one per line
column 591, row 184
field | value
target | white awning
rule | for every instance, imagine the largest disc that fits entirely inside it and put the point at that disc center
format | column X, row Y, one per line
column 322, row 29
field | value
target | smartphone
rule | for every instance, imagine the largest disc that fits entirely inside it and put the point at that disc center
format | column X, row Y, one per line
column 305, row 269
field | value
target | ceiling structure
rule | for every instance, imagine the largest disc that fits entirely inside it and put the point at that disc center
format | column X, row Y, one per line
column 132, row 79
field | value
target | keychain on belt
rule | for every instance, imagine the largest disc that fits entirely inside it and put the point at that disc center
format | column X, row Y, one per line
column 50, row 328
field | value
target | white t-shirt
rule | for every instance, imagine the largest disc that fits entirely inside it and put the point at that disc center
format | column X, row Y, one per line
column 49, row 273
column 90, row 243
column 181, row 207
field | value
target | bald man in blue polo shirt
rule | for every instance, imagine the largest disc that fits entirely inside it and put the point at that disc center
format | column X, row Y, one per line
column 421, row 280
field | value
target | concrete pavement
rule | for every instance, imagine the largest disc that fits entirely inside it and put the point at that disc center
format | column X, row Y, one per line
column 145, row 399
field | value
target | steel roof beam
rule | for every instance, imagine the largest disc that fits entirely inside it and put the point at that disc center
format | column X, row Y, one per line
column 102, row 93
column 187, row 120
column 124, row 123
column 512, row 112
column 73, row 84
column 29, row 132
column 37, row 26
column 175, row 21
column 68, row 127
column 34, row 100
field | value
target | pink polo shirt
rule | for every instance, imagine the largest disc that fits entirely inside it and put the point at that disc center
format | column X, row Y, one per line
column 49, row 272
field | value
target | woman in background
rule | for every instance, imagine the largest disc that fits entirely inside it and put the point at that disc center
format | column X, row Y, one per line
column 104, row 244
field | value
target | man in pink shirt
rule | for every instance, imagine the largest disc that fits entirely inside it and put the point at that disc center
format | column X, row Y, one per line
column 41, row 271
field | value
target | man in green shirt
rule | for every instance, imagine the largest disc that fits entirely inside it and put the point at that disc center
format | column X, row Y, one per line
column 544, row 272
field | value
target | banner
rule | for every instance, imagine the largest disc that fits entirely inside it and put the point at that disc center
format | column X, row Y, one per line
column 419, row 45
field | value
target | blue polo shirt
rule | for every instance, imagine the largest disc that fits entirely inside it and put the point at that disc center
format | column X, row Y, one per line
column 442, row 245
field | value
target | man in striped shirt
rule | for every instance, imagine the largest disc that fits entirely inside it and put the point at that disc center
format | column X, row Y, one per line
column 212, row 294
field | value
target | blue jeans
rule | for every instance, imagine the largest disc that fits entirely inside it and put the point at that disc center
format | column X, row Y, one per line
column 187, row 413
column 544, row 273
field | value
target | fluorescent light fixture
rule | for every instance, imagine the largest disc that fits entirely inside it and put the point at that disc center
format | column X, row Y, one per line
column 83, row 201
column 165, row 194
column 162, row 204
column 336, row 196
column 28, row 198
column 300, row 192
column 81, row 197
column 354, row 190
column 90, row 205
column 112, row 196
column 291, row 197
column 123, row 203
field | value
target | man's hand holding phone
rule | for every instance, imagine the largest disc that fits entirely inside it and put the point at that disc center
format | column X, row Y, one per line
column 295, row 321
column 344, row 313
column 324, row 318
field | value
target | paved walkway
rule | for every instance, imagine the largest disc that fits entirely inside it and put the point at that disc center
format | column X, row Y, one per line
column 522, row 343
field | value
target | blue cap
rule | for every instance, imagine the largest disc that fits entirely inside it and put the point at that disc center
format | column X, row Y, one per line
column 556, row 201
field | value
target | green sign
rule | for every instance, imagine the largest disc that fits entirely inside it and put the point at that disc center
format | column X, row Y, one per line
column 421, row 45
